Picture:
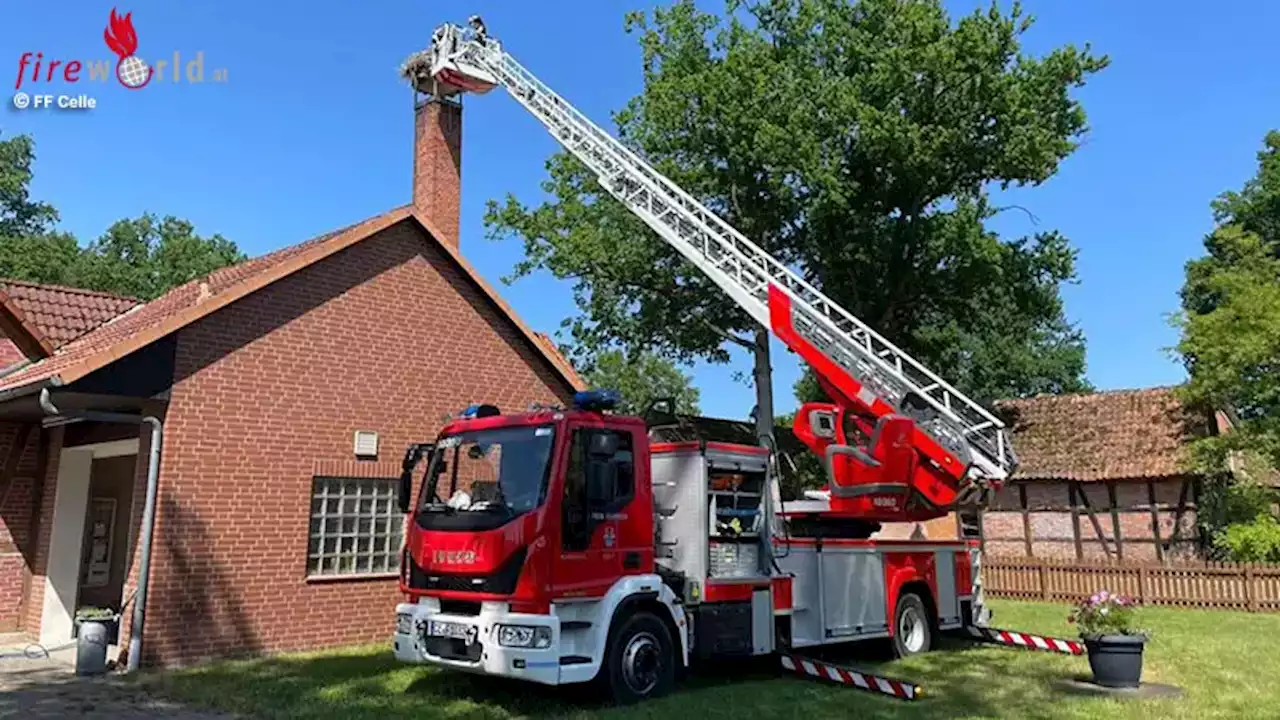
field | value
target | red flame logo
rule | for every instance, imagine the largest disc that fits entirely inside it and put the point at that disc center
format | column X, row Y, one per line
column 120, row 35
column 131, row 71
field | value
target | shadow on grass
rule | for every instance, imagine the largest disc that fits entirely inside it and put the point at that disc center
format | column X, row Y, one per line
column 369, row 682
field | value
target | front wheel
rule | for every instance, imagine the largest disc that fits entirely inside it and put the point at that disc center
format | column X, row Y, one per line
column 641, row 661
column 912, row 626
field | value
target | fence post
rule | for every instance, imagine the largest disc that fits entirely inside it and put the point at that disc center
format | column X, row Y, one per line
column 1044, row 582
column 1250, row 597
column 1142, row 584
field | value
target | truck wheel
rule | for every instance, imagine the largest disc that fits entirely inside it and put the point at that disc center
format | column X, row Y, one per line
column 912, row 626
column 640, row 659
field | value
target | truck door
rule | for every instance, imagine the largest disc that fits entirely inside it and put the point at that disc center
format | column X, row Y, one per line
column 599, row 487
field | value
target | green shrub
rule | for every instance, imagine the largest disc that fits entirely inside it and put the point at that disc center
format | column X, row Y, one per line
column 1256, row 541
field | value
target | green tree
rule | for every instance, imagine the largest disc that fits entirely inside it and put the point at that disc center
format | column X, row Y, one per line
column 1230, row 346
column 141, row 257
column 857, row 142
column 146, row 256
column 20, row 216
column 641, row 379
column 1230, row 323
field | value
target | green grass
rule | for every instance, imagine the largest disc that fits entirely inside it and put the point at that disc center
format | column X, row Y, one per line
column 1226, row 663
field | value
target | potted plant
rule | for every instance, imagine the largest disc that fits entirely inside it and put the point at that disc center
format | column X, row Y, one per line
column 1115, row 643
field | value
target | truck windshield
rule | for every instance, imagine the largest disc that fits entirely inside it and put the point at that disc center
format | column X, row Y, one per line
column 501, row 470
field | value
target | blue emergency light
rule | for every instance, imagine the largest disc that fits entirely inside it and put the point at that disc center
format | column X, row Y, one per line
column 479, row 411
column 596, row 400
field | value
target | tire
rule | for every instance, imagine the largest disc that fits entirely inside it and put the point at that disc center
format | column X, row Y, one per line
column 640, row 661
column 912, row 626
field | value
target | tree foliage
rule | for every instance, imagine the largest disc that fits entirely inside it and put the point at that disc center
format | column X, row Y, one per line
column 857, row 142
column 641, row 379
column 141, row 257
column 1230, row 323
column 146, row 256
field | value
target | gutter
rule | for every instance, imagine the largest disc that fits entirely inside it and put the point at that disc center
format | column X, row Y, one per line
column 31, row 388
column 55, row 417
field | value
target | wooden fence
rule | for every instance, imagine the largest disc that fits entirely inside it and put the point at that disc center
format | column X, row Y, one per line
column 1221, row 586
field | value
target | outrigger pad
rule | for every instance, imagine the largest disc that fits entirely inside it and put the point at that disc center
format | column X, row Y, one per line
column 807, row 667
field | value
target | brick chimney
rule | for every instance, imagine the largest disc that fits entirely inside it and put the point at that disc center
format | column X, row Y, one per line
column 437, row 163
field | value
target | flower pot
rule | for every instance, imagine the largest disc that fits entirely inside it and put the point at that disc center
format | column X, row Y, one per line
column 1116, row 660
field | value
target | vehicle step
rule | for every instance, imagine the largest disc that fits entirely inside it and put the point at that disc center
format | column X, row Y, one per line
column 575, row 660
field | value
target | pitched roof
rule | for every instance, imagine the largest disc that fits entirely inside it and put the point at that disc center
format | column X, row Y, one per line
column 39, row 319
column 199, row 298
column 1113, row 435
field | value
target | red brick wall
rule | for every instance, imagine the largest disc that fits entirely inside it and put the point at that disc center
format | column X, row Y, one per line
column 1052, row 533
column 387, row 335
column 17, row 546
column 437, row 165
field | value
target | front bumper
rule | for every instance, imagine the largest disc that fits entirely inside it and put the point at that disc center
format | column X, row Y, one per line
column 481, row 653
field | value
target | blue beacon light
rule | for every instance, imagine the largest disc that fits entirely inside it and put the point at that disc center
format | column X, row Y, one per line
column 596, row 400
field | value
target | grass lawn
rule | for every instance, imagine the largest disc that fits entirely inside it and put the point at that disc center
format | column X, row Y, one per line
column 1226, row 662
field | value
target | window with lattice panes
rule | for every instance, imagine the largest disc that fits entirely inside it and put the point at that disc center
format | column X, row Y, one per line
column 355, row 527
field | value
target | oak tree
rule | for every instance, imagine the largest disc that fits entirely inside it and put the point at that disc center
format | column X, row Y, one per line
column 859, row 143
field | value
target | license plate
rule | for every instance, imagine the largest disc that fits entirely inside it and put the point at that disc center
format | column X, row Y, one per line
column 457, row 631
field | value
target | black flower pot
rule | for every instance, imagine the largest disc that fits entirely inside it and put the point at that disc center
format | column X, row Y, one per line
column 1116, row 660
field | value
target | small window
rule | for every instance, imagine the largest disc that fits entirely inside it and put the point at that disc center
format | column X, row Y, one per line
column 624, row 474
column 356, row 528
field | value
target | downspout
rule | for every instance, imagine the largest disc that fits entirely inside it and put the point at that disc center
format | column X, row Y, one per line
column 56, row 417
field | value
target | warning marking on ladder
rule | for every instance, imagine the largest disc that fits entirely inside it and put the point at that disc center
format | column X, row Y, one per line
column 845, row 676
column 1026, row 640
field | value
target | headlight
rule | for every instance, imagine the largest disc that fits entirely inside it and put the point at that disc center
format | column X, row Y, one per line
column 404, row 623
column 524, row 636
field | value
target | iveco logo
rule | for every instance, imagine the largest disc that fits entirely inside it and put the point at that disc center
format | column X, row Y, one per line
column 455, row 557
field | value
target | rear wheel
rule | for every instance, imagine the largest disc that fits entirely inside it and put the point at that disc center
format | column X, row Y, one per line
column 912, row 626
column 641, row 662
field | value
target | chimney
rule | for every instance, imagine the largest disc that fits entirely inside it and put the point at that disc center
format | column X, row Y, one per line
column 437, row 163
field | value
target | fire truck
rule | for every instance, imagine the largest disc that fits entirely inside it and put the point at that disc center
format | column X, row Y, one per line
column 572, row 545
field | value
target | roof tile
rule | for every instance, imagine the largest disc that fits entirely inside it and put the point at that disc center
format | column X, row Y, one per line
column 62, row 314
column 1113, row 435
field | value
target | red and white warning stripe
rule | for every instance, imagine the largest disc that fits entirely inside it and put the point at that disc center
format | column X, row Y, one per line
column 1027, row 640
column 845, row 676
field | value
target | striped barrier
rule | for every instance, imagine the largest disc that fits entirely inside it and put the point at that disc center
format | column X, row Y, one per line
column 852, row 678
column 1026, row 640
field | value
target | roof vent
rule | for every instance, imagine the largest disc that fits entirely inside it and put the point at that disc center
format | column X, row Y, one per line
column 366, row 443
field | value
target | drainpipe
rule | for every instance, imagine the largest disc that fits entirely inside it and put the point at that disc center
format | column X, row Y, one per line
column 56, row 417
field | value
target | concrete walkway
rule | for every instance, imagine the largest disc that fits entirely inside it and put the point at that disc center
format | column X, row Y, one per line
column 46, row 688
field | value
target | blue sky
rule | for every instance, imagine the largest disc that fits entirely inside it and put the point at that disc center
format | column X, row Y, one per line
column 313, row 129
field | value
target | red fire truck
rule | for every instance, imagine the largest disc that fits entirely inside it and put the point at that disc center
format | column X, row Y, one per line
column 566, row 545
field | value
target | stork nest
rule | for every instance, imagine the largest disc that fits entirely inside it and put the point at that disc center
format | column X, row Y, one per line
column 417, row 68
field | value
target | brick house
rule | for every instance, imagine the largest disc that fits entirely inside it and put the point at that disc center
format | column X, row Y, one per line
column 288, row 387
column 1100, row 477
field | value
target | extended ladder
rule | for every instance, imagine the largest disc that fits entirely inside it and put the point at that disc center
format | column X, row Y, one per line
column 461, row 61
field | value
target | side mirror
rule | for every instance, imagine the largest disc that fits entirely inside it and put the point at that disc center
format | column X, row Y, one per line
column 603, row 446
column 412, row 456
column 402, row 493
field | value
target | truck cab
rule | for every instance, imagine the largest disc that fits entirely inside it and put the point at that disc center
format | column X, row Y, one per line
column 530, row 543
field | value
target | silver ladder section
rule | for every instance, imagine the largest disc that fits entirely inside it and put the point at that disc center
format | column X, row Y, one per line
column 741, row 268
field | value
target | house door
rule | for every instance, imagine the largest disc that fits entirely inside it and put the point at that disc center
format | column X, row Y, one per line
column 104, row 557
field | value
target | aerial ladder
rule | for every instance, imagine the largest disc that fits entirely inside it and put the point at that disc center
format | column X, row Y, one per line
column 899, row 443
